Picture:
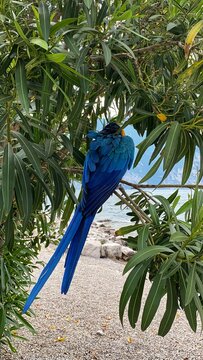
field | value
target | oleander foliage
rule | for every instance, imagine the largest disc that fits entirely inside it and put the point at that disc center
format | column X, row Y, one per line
column 64, row 65
column 169, row 251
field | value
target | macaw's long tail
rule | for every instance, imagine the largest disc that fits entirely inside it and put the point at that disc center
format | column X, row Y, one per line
column 75, row 235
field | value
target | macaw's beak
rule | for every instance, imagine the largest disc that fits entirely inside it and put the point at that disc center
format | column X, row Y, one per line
column 122, row 132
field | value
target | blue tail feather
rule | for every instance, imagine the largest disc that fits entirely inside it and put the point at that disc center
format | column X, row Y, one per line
column 49, row 268
column 74, row 252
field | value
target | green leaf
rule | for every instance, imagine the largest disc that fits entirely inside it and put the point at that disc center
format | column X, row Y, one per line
column 143, row 235
column 172, row 143
column 56, row 58
column 179, row 236
column 171, row 308
column 56, row 85
column 135, row 301
column 129, row 287
column 9, row 231
column 8, row 178
column 144, row 145
column 166, row 205
column 185, row 207
column 190, row 310
column 199, row 307
column 77, row 108
column 68, row 69
column 41, row 43
column 107, row 53
column 124, row 16
column 116, row 65
column 154, row 297
column 191, row 282
column 78, row 156
column 53, row 163
column 61, row 24
column 188, row 163
column 125, row 47
column 29, row 151
column 44, row 19
column 58, row 189
column 21, row 85
column 2, row 320
column 145, row 254
column 25, row 188
column 171, row 260
column 26, row 126
column 88, row 3
column 1, row 207
column 126, row 230
column 199, row 284
column 2, row 278
column 152, row 171
column 25, row 322
column 46, row 93
column 22, row 34
column 102, row 13
column 71, row 44
column 67, row 211
column 154, row 215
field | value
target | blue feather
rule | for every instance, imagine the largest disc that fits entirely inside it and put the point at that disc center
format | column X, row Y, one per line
column 47, row 271
column 74, row 252
column 106, row 162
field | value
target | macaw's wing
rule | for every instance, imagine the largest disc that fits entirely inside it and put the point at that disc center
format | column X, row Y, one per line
column 106, row 163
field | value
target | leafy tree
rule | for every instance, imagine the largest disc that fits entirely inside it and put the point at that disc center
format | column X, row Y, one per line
column 64, row 65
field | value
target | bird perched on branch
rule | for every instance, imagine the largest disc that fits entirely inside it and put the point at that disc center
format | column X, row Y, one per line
column 110, row 154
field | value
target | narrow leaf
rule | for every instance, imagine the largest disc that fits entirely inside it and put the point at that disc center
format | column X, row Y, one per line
column 188, row 163
column 25, row 188
column 190, row 290
column 44, row 19
column 29, row 151
column 21, row 85
column 107, row 53
column 171, row 308
column 41, row 43
column 57, row 58
column 135, row 301
column 152, row 171
column 8, row 178
column 143, row 146
column 171, row 143
column 154, row 297
column 144, row 254
column 129, row 286
column 143, row 234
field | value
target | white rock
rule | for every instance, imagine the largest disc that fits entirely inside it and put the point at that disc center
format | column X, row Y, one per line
column 92, row 248
column 127, row 252
column 111, row 250
column 100, row 332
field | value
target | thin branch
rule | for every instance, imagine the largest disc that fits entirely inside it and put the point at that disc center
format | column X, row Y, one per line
column 140, row 50
column 138, row 188
column 154, row 186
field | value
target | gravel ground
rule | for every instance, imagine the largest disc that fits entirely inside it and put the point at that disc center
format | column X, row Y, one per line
column 84, row 324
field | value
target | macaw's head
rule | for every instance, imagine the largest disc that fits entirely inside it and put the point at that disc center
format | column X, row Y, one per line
column 112, row 129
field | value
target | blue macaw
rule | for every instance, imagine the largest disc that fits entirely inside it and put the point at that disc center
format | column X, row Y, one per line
column 110, row 154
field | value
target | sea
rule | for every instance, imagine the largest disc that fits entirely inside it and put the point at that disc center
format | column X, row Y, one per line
column 118, row 214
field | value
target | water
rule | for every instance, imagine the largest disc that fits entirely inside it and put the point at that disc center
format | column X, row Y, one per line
column 117, row 214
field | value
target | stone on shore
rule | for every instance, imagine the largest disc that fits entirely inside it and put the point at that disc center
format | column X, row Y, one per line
column 111, row 250
column 127, row 253
column 92, row 248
